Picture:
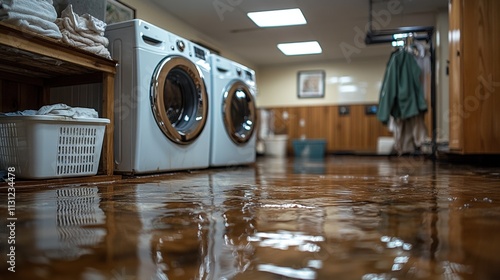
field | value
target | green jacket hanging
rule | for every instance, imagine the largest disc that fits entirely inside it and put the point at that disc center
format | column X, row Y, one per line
column 401, row 95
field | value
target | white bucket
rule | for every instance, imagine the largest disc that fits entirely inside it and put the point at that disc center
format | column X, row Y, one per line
column 385, row 145
column 276, row 145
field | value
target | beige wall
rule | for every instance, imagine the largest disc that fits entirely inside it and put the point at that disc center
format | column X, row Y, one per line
column 357, row 82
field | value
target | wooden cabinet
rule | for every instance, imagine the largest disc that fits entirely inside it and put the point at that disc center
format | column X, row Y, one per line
column 43, row 63
column 474, row 76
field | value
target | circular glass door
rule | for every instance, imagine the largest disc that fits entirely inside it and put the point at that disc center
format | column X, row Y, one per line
column 179, row 99
column 239, row 112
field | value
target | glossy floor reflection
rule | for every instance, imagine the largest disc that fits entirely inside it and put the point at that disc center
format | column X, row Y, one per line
column 343, row 218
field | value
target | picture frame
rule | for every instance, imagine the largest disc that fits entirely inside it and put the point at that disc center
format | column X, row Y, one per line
column 311, row 84
column 117, row 11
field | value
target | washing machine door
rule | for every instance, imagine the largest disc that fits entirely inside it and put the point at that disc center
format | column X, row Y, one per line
column 239, row 112
column 179, row 99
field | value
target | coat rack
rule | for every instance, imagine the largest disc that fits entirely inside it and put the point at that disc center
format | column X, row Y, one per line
column 419, row 33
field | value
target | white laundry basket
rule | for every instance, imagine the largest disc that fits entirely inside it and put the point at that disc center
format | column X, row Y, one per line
column 42, row 147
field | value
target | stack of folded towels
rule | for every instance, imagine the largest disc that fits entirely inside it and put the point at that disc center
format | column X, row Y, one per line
column 85, row 32
column 35, row 15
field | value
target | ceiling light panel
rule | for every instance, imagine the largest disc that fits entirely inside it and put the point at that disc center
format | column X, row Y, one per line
column 300, row 48
column 278, row 18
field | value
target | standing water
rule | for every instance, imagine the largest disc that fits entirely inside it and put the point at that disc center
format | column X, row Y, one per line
column 361, row 218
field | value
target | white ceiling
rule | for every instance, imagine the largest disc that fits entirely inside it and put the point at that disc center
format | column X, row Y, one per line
column 338, row 25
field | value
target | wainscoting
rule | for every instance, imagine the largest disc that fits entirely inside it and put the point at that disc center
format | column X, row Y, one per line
column 352, row 132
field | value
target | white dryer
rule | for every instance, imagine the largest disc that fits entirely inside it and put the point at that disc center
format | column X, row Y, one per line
column 162, row 120
column 234, row 113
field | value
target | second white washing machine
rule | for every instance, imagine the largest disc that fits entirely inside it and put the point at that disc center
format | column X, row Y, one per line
column 234, row 113
column 162, row 120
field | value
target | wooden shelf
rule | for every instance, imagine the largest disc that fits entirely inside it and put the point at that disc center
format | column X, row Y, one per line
column 39, row 60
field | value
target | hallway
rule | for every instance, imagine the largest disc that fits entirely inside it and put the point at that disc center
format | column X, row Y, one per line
column 346, row 217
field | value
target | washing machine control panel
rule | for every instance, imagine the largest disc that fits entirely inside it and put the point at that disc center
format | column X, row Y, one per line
column 249, row 76
column 199, row 53
column 180, row 45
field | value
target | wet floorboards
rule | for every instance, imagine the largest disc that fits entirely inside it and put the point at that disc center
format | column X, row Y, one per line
column 344, row 217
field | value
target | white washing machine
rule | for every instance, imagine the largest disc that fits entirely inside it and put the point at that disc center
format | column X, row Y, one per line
column 162, row 120
column 234, row 113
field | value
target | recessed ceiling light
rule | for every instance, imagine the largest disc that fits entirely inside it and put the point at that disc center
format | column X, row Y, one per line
column 278, row 18
column 300, row 48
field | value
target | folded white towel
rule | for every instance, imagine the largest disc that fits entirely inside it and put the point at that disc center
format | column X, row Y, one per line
column 75, row 40
column 35, row 24
column 89, row 38
column 85, row 22
column 41, row 9
column 95, row 24
column 34, row 15
column 97, row 39
column 85, row 32
column 99, row 50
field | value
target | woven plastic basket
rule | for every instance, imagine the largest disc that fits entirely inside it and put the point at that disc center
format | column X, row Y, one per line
column 41, row 147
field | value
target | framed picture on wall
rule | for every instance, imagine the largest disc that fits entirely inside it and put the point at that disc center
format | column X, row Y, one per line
column 117, row 11
column 311, row 84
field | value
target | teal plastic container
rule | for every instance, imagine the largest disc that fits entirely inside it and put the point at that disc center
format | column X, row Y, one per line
column 309, row 148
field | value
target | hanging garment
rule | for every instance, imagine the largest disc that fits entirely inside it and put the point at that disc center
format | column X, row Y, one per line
column 401, row 95
column 423, row 58
column 402, row 98
column 409, row 134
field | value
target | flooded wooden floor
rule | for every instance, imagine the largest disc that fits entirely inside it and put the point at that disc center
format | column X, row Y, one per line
column 345, row 217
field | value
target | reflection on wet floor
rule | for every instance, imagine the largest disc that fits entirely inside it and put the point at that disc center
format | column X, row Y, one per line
column 342, row 218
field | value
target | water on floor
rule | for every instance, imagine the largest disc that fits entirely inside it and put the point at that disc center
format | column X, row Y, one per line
column 364, row 218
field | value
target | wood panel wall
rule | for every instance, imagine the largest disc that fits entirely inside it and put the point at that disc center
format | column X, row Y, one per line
column 355, row 132
column 16, row 96
column 474, row 77
column 481, row 76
